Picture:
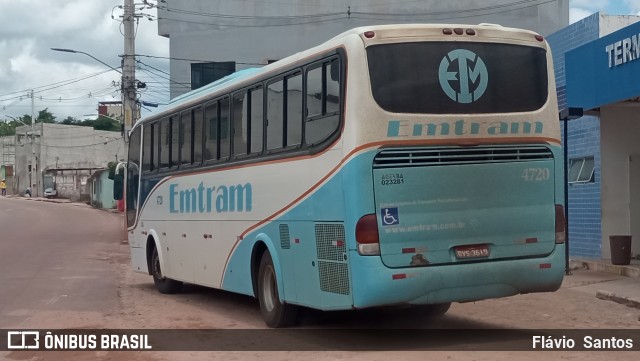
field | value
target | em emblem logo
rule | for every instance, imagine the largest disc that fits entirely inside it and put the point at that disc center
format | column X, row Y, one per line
column 472, row 76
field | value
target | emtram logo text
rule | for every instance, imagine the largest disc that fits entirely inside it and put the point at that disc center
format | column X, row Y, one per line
column 209, row 199
column 412, row 128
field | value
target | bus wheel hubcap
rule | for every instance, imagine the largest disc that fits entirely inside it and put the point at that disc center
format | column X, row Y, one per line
column 268, row 289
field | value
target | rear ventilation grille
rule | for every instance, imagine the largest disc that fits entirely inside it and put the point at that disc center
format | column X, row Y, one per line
column 334, row 277
column 332, row 258
column 419, row 157
column 285, row 239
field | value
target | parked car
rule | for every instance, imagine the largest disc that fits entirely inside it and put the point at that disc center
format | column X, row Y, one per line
column 50, row 193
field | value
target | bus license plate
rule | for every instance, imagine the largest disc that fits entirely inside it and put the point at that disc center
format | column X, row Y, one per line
column 473, row 251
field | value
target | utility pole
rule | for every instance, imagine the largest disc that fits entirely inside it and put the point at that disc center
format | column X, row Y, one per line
column 129, row 92
column 33, row 175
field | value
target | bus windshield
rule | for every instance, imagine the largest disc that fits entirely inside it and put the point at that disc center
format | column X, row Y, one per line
column 458, row 77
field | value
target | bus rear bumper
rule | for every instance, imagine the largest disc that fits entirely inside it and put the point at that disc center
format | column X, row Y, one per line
column 374, row 284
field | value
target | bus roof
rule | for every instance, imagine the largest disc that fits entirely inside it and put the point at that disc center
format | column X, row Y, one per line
column 206, row 89
column 389, row 31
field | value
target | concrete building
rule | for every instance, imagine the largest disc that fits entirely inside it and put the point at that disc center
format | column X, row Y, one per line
column 101, row 190
column 597, row 62
column 7, row 160
column 211, row 39
column 112, row 109
column 62, row 157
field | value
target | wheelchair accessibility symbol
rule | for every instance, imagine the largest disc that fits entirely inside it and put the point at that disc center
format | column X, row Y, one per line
column 389, row 216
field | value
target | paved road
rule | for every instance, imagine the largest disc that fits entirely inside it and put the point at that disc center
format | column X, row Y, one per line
column 64, row 266
column 54, row 262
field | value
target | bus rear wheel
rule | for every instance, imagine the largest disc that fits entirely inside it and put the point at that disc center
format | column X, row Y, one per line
column 163, row 284
column 275, row 313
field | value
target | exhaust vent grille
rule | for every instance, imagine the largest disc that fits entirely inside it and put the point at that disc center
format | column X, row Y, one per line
column 420, row 157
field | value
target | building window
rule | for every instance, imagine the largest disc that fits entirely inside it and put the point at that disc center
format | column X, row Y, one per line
column 581, row 170
column 205, row 73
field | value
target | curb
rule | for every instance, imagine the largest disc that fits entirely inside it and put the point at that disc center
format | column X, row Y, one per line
column 609, row 268
column 49, row 200
column 610, row 296
column 627, row 271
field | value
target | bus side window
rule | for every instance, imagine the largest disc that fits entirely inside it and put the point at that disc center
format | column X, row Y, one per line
column 224, row 129
column 256, row 124
column 175, row 141
column 323, row 102
column 156, row 145
column 240, row 125
column 211, row 131
column 314, row 92
column 332, row 99
column 275, row 116
column 165, row 143
column 186, row 141
column 147, row 149
column 294, row 110
column 198, row 135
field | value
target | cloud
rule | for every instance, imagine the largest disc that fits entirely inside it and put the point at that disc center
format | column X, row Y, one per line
column 576, row 14
column 30, row 28
column 634, row 6
column 593, row 5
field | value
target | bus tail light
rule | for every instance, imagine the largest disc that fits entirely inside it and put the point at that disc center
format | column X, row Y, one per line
column 367, row 236
column 560, row 224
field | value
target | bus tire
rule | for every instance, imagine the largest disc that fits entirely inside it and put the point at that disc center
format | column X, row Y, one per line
column 163, row 284
column 276, row 314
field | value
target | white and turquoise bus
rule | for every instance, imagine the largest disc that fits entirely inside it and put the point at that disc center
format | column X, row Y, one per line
column 392, row 165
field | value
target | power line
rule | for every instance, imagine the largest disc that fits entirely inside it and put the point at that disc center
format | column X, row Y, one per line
column 156, row 69
column 192, row 60
column 454, row 12
column 347, row 14
column 50, row 86
column 342, row 17
column 245, row 17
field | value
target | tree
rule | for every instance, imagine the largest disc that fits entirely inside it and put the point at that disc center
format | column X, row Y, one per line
column 44, row 116
column 104, row 123
column 7, row 129
column 71, row 121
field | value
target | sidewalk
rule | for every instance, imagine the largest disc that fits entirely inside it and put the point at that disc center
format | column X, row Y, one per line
column 42, row 199
column 606, row 281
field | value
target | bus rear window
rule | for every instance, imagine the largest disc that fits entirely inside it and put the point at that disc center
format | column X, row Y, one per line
column 458, row 77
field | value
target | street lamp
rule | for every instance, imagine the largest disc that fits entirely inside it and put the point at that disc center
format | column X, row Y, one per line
column 18, row 120
column 128, row 86
column 87, row 54
column 101, row 115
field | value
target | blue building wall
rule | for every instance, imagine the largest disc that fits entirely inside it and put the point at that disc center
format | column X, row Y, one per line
column 584, row 198
column 102, row 190
column 583, row 141
column 574, row 35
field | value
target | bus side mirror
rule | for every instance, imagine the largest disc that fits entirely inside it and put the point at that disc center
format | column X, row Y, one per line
column 118, row 186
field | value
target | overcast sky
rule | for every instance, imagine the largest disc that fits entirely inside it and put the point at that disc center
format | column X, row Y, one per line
column 28, row 29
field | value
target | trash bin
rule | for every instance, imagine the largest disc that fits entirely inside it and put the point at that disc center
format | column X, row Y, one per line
column 620, row 249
